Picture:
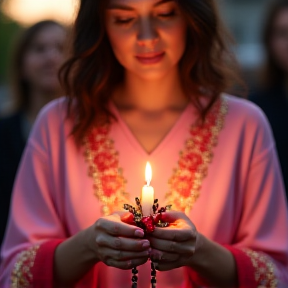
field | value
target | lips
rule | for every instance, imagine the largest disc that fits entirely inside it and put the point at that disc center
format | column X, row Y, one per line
column 150, row 58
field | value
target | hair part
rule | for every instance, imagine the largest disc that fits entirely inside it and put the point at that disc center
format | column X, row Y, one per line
column 88, row 77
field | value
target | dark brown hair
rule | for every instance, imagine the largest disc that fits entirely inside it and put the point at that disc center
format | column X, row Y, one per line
column 21, row 87
column 207, row 66
column 273, row 74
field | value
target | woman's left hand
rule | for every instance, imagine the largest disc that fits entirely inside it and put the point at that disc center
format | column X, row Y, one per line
column 175, row 245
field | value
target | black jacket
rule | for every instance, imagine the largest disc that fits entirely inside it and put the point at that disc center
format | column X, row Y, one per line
column 12, row 143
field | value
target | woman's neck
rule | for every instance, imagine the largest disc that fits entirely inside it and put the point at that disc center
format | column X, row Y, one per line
column 151, row 95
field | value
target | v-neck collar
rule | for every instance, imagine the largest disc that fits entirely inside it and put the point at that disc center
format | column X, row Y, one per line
column 133, row 140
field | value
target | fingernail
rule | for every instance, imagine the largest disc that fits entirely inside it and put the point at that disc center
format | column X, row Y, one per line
column 139, row 233
column 146, row 244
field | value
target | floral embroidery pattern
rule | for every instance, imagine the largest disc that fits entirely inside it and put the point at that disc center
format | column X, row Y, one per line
column 185, row 183
column 109, row 183
column 264, row 269
column 192, row 168
column 21, row 275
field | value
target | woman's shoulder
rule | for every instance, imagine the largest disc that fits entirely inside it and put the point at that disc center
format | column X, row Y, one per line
column 246, row 118
column 55, row 108
column 50, row 121
column 244, row 110
column 52, row 114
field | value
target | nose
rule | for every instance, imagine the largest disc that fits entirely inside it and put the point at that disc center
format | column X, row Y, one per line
column 147, row 33
column 53, row 53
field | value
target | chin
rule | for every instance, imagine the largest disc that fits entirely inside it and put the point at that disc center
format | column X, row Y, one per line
column 152, row 75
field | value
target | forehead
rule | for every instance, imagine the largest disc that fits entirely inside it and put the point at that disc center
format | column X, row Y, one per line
column 49, row 33
column 136, row 3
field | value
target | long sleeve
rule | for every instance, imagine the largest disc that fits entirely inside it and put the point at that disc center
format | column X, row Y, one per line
column 260, row 244
column 35, row 227
column 247, row 212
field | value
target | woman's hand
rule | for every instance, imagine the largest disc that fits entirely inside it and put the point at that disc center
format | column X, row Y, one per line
column 119, row 244
column 175, row 245
column 180, row 244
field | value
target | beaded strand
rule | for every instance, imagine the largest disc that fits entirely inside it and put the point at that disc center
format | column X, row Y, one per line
column 134, row 277
column 153, row 276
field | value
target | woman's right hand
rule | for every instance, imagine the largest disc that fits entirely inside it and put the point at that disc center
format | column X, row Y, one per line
column 119, row 244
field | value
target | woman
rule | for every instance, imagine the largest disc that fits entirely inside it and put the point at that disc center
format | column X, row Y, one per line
column 272, row 93
column 38, row 56
column 145, row 82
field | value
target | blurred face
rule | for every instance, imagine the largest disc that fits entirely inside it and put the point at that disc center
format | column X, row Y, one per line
column 43, row 59
column 279, row 40
column 147, row 36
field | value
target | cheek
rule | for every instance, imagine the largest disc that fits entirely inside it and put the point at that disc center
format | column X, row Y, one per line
column 176, row 39
column 280, row 48
column 122, row 44
column 29, row 67
column 32, row 63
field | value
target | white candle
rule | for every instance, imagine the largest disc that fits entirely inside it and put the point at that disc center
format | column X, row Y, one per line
column 147, row 196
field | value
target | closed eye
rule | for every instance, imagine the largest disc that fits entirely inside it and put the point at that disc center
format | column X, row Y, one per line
column 123, row 21
column 167, row 15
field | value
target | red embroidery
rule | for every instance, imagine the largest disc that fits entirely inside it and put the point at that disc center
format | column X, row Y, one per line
column 104, row 168
column 185, row 183
column 192, row 168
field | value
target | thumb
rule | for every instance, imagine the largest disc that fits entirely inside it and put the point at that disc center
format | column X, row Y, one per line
column 127, row 218
column 173, row 216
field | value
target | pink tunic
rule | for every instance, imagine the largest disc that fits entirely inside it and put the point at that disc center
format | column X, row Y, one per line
column 241, row 202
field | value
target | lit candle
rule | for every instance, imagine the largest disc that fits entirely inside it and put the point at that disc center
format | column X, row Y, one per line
column 147, row 196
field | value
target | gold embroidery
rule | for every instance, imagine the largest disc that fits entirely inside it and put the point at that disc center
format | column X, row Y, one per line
column 185, row 183
column 109, row 183
column 21, row 275
column 264, row 269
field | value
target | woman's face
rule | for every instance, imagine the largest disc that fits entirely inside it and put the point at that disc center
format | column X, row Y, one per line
column 279, row 39
column 147, row 36
column 43, row 59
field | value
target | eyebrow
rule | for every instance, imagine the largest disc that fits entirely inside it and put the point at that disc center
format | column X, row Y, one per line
column 128, row 8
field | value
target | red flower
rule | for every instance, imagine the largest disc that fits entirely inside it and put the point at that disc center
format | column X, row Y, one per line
column 149, row 224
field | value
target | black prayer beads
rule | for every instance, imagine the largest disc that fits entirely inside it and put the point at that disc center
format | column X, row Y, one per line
column 134, row 277
column 153, row 276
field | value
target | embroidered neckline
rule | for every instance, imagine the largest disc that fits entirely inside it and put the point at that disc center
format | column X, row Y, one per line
column 186, row 181
column 184, row 184
column 109, row 183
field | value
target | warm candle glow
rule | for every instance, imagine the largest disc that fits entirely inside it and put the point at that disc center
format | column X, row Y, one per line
column 147, row 196
column 148, row 173
column 28, row 12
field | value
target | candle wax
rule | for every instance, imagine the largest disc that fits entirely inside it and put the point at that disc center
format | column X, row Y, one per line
column 147, row 200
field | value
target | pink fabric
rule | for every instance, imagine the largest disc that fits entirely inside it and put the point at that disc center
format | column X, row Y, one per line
column 242, row 202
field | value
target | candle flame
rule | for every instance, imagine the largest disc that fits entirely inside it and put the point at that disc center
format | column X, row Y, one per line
column 148, row 173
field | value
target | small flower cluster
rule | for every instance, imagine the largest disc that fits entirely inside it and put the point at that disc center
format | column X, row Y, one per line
column 148, row 223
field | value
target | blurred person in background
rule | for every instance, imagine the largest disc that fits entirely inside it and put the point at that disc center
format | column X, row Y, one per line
column 34, row 74
column 145, row 82
column 272, row 93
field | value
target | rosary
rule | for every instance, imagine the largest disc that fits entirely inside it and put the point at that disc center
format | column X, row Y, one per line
column 148, row 224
